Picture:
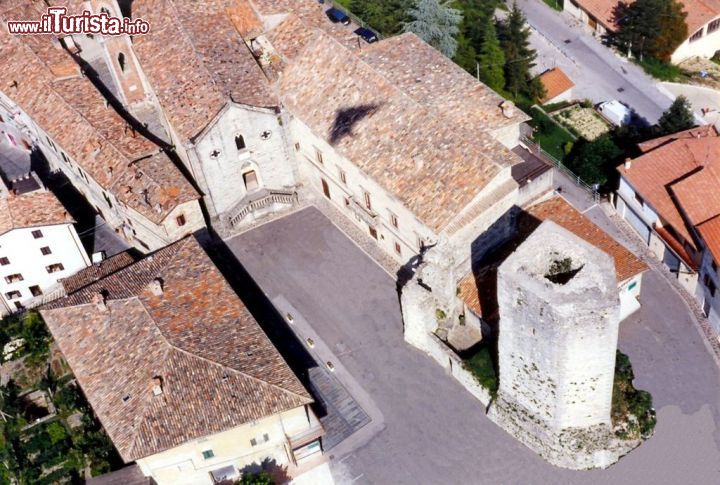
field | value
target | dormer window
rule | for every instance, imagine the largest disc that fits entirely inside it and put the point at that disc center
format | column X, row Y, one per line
column 240, row 143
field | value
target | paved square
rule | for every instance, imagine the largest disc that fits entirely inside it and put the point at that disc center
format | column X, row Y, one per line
column 437, row 433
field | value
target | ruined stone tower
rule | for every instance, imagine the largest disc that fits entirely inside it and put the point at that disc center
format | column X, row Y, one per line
column 559, row 317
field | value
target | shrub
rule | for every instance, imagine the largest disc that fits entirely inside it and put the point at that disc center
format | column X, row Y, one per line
column 260, row 478
column 481, row 365
column 632, row 412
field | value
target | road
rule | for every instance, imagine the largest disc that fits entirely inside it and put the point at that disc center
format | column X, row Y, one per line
column 433, row 431
column 598, row 73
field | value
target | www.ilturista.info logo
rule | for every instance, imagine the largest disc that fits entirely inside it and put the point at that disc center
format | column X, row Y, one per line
column 57, row 21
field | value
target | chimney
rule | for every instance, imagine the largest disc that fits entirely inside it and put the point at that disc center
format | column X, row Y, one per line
column 156, row 287
column 507, row 108
column 628, row 163
column 157, row 385
column 100, row 301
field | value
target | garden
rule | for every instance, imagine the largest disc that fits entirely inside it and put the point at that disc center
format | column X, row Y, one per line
column 48, row 433
column 583, row 121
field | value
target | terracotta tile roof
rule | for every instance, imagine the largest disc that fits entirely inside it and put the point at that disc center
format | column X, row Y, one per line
column 710, row 232
column 31, row 210
column 403, row 140
column 217, row 367
column 556, row 82
column 478, row 288
column 96, row 272
column 699, row 12
column 665, row 178
column 99, row 141
column 436, row 82
column 196, row 61
column 291, row 23
column 697, row 132
column 563, row 214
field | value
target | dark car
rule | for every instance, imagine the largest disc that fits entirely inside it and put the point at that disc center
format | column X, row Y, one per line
column 368, row 35
column 338, row 16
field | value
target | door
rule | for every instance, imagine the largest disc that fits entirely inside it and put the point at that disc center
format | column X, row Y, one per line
column 671, row 261
column 326, row 188
column 251, row 181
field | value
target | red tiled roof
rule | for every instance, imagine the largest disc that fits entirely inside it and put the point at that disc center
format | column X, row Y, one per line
column 31, row 210
column 699, row 12
column 710, row 232
column 217, row 367
column 556, row 82
column 697, row 132
column 477, row 288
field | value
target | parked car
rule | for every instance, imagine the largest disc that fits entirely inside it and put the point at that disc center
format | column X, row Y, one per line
column 338, row 16
column 368, row 35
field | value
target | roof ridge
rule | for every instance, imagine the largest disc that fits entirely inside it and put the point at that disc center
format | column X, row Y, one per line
column 236, row 371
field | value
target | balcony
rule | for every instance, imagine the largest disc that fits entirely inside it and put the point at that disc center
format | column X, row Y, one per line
column 369, row 216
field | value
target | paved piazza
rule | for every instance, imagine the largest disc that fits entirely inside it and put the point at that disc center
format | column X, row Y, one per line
column 426, row 428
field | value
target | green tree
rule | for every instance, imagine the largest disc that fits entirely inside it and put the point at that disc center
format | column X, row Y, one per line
column 260, row 478
column 519, row 56
column 492, row 58
column 436, row 23
column 678, row 117
column 385, row 16
column 653, row 28
column 593, row 161
column 57, row 432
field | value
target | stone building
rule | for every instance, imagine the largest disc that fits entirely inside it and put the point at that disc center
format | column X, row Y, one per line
column 559, row 318
column 181, row 376
column 255, row 120
column 129, row 181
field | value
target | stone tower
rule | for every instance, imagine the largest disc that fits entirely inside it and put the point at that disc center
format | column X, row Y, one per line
column 559, row 317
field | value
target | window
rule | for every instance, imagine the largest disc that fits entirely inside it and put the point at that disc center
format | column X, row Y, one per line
column 712, row 288
column 368, row 204
column 318, row 156
column 35, row 290
column 251, row 181
column 45, row 251
column 64, row 157
column 712, row 263
column 373, row 232
column 214, row 154
column 121, row 61
column 253, row 442
column 19, row 306
column 37, row 234
column 420, row 243
column 13, row 278
column 239, row 142
column 632, row 286
column 54, row 268
column 297, row 146
column 266, row 437
column 398, row 250
column 11, row 295
column 180, row 220
column 107, row 200
column 394, row 220
column 343, row 178
column 696, row 35
column 207, row 454
column 4, row 261
column 713, row 26
column 639, row 199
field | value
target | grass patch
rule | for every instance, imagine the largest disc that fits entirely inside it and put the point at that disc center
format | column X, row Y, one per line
column 555, row 4
column 481, row 364
column 664, row 71
column 549, row 135
column 632, row 413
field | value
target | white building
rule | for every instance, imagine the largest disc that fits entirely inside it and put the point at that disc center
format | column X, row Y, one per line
column 183, row 379
column 668, row 195
column 703, row 23
column 38, row 247
column 130, row 182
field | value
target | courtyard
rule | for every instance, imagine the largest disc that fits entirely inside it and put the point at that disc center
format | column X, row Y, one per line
column 425, row 427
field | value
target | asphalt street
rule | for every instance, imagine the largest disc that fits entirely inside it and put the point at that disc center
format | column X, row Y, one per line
column 598, row 73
